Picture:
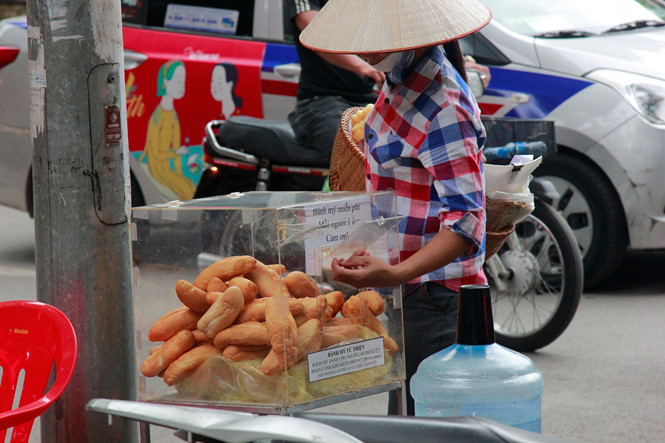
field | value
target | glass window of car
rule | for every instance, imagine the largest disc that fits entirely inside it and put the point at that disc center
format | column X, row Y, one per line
column 536, row 17
column 153, row 12
column 485, row 53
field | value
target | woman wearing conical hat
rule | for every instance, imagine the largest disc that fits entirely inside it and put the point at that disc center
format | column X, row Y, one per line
column 423, row 140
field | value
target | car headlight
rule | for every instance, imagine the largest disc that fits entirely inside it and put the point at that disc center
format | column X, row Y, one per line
column 645, row 94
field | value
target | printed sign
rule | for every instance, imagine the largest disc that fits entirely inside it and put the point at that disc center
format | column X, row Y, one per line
column 112, row 128
column 344, row 359
column 223, row 21
column 337, row 220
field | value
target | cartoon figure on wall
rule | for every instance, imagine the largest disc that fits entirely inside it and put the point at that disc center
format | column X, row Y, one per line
column 222, row 87
column 163, row 151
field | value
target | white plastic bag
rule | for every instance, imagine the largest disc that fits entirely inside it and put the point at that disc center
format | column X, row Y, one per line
column 510, row 183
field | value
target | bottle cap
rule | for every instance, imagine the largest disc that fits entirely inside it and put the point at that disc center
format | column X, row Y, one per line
column 475, row 325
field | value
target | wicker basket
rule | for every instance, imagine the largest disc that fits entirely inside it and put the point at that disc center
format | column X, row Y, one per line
column 347, row 161
column 500, row 223
column 502, row 213
column 495, row 239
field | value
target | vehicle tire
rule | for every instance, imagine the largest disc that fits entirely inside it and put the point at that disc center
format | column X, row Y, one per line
column 536, row 281
column 593, row 211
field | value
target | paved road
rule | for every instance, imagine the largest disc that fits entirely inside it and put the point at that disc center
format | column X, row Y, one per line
column 604, row 377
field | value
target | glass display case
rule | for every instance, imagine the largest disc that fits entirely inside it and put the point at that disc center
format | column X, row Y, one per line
column 235, row 305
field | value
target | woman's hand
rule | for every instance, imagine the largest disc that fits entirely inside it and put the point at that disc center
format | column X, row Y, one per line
column 362, row 270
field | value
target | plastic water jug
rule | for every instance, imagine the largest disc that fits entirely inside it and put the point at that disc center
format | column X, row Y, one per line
column 476, row 376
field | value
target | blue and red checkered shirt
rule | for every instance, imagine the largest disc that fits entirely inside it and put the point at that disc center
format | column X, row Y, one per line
column 423, row 140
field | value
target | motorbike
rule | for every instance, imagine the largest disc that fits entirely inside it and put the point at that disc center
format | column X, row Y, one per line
column 536, row 277
column 251, row 154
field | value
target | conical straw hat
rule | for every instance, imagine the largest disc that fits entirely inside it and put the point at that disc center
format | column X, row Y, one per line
column 357, row 26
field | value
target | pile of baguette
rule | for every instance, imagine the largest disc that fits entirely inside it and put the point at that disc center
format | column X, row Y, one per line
column 358, row 124
column 241, row 309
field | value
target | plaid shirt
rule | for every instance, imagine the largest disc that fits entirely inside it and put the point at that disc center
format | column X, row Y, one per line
column 423, row 141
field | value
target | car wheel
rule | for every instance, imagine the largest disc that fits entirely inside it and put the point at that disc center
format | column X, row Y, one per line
column 593, row 210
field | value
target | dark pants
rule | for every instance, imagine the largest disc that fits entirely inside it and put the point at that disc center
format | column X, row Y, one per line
column 430, row 323
column 316, row 120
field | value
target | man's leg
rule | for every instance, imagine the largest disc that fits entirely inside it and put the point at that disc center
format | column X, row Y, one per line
column 316, row 121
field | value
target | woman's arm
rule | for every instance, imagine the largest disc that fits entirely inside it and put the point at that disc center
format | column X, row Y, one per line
column 362, row 270
column 349, row 62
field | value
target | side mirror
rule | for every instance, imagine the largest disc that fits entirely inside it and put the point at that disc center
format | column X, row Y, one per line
column 475, row 82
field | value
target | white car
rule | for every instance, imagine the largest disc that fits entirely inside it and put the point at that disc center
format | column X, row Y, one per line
column 597, row 69
column 594, row 67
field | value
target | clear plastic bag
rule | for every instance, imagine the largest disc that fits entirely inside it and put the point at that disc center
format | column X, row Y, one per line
column 219, row 379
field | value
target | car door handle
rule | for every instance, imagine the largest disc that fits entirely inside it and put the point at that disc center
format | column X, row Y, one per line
column 133, row 59
column 288, row 70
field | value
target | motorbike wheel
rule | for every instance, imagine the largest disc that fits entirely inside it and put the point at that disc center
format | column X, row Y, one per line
column 536, row 280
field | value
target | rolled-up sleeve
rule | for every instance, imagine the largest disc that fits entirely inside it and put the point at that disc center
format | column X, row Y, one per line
column 451, row 154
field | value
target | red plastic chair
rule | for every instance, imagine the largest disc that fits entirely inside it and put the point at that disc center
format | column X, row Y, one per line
column 33, row 337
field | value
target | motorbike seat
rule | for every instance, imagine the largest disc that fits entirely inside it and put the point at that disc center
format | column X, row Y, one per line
column 273, row 140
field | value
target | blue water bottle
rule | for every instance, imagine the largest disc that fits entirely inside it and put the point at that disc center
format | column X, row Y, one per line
column 476, row 376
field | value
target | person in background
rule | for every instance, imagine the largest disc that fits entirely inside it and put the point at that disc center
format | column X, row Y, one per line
column 329, row 84
column 423, row 140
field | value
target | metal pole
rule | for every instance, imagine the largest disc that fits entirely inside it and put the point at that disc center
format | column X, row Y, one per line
column 81, row 194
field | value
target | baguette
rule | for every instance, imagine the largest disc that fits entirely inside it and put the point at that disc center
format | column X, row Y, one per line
column 216, row 285
column 314, row 308
column 335, row 301
column 268, row 282
column 300, row 284
column 225, row 269
column 358, row 310
column 248, row 287
column 332, row 335
column 309, row 337
column 191, row 296
column 256, row 310
column 188, row 362
column 173, row 322
column 222, row 313
column 167, row 353
column 283, row 337
column 243, row 352
column 370, row 301
column 374, row 302
column 201, row 338
column 250, row 333
column 279, row 269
